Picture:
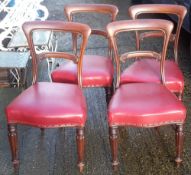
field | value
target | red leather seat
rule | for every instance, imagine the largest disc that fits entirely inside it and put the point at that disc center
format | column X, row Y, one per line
column 97, row 71
column 148, row 70
column 145, row 105
column 48, row 105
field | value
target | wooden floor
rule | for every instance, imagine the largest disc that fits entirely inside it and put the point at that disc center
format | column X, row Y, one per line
column 141, row 151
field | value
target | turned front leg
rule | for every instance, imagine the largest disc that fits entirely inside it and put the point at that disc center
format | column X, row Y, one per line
column 12, row 134
column 80, row 147
column 179, row 144
column 113, row 138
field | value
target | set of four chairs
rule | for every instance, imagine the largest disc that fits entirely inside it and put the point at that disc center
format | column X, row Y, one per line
column 144, row 93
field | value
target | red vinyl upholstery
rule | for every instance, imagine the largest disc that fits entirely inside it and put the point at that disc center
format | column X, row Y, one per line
column 148, row 70
column 97, row 71
column 145, row 105
column 34, row 107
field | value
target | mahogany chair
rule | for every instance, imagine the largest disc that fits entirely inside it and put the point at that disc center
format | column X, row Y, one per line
column 143, row 104
column 97, row 70
column 174, row 77
column 47, row 104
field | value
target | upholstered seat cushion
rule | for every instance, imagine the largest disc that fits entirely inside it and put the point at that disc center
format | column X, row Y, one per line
column 145, row 104
column 97, row 71
column 148, row 70
column 48, row 105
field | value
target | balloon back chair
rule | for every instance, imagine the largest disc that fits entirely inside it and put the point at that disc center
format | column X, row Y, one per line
column 47, row 104
column 143, row 104
column 174, row 77
column 97, row 70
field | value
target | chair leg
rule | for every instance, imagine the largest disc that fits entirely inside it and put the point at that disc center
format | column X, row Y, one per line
column 80, row 147
column 108, row 93
column 157, row 129
column 179, row 144
column 12, row 134
column 114, row 146
column 42, row 130
column 180, row 96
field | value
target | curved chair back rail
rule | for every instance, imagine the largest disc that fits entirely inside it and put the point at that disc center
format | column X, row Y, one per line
column 77, row 28
column 72, row 9
column 179, row 11
column 163, row 26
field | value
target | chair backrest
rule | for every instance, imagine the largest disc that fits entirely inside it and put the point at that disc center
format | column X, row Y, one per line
column 163, row 26
column 58, row 26
column 171, row 9
column 73, row 9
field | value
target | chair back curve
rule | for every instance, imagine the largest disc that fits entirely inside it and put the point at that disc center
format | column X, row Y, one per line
column 165, row 27
column 171, row 9
column 73, row 9
column 59, row 26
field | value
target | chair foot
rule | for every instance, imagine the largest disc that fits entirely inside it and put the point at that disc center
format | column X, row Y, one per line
column 113, row 138
column 81, row 167
column 15, row 164
column 115, row 165
column 80, row 147
column 178, row 162
column 179, row 144
column 12, row 134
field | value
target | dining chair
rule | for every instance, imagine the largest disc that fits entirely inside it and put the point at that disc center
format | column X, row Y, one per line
column 174, row 76
column 143, row 104
column 49, row 104
column 97, row 70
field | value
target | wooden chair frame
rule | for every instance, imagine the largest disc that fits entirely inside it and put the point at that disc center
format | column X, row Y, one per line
column 61, row 26
column 165, row 28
